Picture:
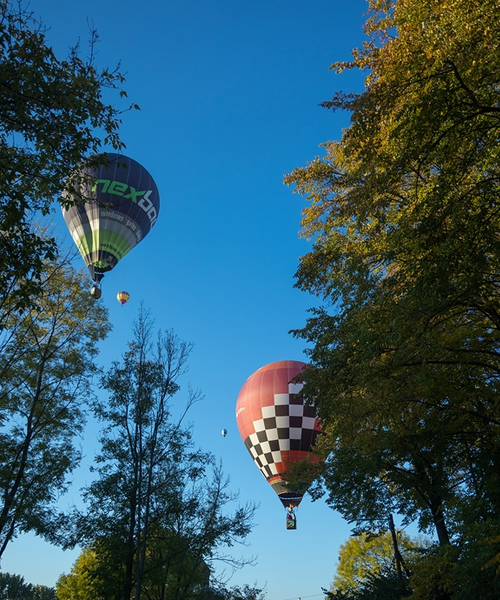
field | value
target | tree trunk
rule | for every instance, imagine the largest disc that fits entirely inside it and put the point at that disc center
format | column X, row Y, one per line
column 436, row 507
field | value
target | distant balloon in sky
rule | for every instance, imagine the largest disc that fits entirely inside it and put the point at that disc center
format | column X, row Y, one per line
column 123, row 297
column 276, row 426
column 224, row 432
column 120, row 205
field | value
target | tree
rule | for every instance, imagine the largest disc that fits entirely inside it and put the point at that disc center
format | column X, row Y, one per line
column 43, row 592
column 365, row 556
column 52, row 118
column 46, row 366
column 384, row 585
column 79, row 584
column 403, row 213
column 157, row 515
column 244, row 592
column 13, row 587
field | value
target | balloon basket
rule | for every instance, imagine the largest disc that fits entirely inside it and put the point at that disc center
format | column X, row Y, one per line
column 291, row 519
column 96, row 292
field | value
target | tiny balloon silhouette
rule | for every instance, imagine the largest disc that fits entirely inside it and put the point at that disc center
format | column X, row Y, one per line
column 224, row 432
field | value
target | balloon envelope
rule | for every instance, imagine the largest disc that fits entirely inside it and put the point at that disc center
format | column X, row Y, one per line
column 123, row 297
column 224, row 432
column 276, row 426
column 121, row 205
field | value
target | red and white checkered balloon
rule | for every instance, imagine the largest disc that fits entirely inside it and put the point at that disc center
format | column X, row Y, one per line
column 276, row 426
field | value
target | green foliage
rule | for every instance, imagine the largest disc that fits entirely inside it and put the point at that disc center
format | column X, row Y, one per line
column 158, row 514
column 404, row 220
column 245, row 592
column 79, row 584
column 459, row 572
column 13, row 587
column 52, row 116
column 384, row 585
column 369, row 555
column 46, row 365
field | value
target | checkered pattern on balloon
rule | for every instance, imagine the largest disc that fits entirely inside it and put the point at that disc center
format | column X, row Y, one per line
column 277, row 427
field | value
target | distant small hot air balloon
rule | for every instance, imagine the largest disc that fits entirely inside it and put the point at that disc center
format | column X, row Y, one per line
column 276, row 426
column 123, row 297
column 120, row 205
column 224, row 432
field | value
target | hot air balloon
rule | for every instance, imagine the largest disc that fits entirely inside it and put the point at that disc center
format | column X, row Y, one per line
column 224, row 432
column 123, row 297
column 120, row 205
column 276, row 426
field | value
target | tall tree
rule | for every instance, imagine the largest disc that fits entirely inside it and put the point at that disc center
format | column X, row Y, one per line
column 52, row 117
column 404, row 216
column 46, row 366
column 158, row 510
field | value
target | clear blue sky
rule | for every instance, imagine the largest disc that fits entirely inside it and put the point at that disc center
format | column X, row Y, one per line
column 229, row 93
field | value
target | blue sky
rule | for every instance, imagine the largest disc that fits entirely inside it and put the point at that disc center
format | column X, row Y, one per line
column 229, row 93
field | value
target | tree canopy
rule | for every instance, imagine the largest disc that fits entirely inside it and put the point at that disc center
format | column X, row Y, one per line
column 53, row 117
column 46, row 367
column 365, row 556
column 160, row 513
column 14, row 587
column 403, row 216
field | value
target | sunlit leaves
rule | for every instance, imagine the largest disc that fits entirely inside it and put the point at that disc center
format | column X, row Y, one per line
column 403, row 214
